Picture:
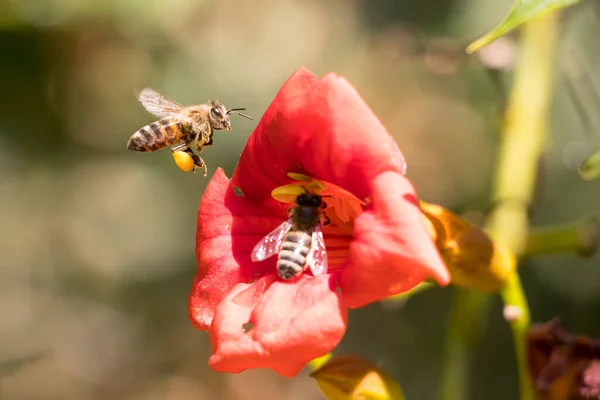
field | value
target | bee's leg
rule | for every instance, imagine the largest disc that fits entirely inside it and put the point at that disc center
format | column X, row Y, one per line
column 203, row 138
column 327, row 220
column 206, row 138
column 198, row 162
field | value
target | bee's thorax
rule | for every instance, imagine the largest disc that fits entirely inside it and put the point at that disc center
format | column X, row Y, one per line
column 305, row 218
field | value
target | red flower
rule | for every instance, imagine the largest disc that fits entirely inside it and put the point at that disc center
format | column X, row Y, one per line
column 321, row 128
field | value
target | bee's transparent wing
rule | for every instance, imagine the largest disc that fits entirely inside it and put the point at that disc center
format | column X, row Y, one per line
column 270, row 244
column 159, row 105
column 317, row 258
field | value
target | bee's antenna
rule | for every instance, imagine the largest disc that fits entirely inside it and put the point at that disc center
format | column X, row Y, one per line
column 305, row 189
column 236, row 111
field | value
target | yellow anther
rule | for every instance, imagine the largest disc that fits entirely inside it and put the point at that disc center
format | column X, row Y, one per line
column 316, row 186
column 342, row 206
column 287, row 193
column 299, row 177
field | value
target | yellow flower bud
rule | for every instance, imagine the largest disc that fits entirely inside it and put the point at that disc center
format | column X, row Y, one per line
column 473, row 259
column 353, row 378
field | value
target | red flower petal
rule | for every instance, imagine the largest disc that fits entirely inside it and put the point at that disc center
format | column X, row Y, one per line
column 222, row 261
column 291, row 324
column 391, row 251
column 322, row 128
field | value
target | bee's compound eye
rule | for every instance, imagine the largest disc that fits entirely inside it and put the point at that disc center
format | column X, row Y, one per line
column 217, row 112
column 183, row 160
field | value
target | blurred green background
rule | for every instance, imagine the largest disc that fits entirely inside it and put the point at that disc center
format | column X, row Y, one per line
column 97, row 242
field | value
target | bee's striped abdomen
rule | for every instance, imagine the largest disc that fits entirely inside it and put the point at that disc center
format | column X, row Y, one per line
column 292, row 256
column 165, row 132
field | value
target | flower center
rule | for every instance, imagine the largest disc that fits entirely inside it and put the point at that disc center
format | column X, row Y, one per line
column 342, row 207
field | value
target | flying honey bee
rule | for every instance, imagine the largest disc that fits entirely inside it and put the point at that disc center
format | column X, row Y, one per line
column 298, row 241
column 180, row 127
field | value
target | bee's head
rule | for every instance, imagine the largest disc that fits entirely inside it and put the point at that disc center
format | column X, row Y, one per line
column 309, row 199
column 218, row 116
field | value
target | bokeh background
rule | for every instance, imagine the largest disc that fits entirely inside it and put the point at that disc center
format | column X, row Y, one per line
column 97, row 242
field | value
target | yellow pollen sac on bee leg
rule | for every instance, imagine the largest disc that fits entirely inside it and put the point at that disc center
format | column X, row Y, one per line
column 183, row 160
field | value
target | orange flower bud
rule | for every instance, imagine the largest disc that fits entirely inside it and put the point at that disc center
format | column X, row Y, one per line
column 352, row 378
column 473, row 259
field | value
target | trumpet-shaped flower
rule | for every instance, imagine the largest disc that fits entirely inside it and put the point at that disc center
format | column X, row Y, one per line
column 377, row 244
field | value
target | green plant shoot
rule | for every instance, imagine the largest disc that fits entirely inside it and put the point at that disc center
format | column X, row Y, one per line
column 590, row 168
column 521, row 12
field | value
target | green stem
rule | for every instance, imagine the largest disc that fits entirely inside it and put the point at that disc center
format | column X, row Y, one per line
column 580, row 238
column 513, row 294
column 524, row 135
column 523, row 139
column 402, row 297
column 462, row 338
column 552, row 241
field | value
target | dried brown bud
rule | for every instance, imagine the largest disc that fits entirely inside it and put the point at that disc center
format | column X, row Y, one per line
column 563, row 366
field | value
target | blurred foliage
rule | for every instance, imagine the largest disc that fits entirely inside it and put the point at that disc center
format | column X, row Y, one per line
column 96, row 242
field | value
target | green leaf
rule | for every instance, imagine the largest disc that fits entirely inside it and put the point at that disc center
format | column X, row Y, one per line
column 590, row 168
column 521, row 12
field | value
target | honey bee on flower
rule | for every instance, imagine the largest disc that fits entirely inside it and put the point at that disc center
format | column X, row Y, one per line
column 298, row 241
